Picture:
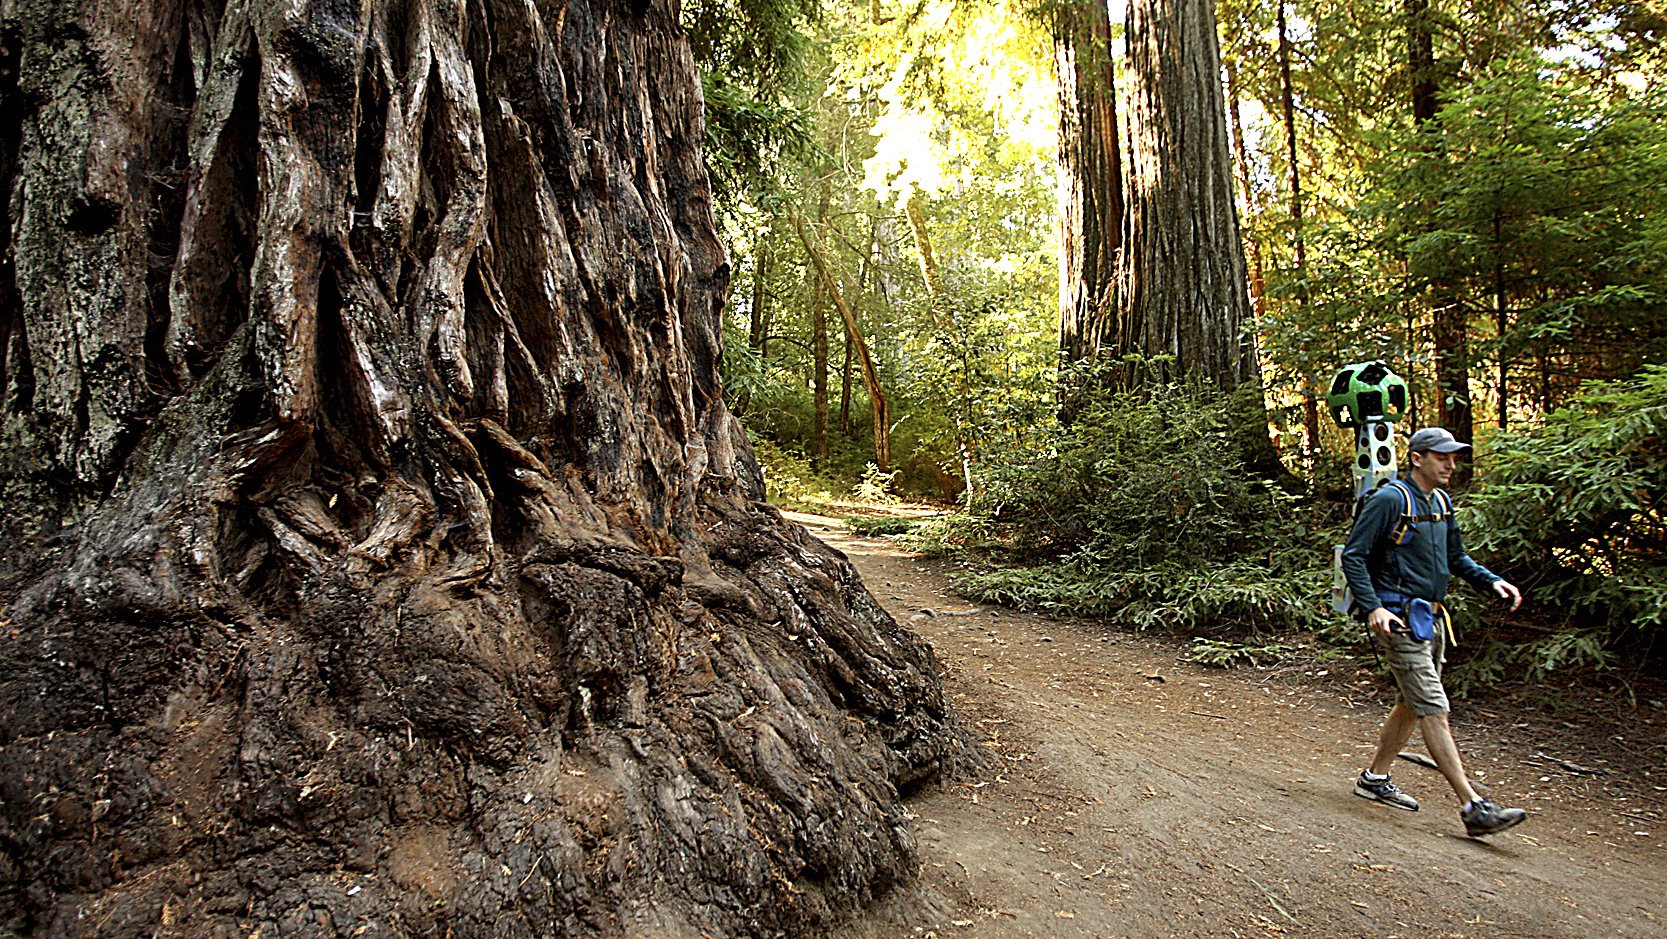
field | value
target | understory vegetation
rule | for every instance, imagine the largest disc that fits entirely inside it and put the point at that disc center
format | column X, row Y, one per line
column 1472, row 195
column 1141, row 515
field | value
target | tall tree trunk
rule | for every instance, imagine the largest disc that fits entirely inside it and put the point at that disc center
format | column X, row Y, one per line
column 1502, row 320
column 1450, row 331
column 758, row 325
column 1287, row 104
column 1312, row 387
column 819, row 339
column 915, row 210
column 1421, row 70
column 819, row 343
column 1090, row 178
column 819, row 378
column 879, row 404
column 1181, row 299
column 1182, row 275
column 1241, row 165
column 845, row 390
column 758, row 318
column 379, row 548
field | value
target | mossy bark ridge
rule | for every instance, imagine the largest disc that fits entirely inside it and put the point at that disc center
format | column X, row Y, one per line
column 381, row 555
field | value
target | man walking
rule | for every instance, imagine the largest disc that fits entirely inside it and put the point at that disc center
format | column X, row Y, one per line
column 1402, row 553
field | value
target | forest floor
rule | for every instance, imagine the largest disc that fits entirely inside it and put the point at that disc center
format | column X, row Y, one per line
column 1131, row 793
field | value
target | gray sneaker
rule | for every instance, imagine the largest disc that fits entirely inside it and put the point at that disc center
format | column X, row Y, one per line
column 1485, row 818
column 1384, row 791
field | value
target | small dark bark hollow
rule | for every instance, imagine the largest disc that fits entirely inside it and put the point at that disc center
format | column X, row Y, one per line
column 381, row 557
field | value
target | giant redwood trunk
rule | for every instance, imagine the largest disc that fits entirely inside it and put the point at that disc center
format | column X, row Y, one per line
column 1182, row 284
column 380, row 558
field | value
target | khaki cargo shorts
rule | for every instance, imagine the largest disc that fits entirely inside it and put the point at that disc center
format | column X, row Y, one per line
column 1417, row 670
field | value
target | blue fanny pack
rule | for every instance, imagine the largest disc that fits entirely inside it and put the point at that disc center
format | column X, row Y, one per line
column 1420, row 617
column 1419, row 614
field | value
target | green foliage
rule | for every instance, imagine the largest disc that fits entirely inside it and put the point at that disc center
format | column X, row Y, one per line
column 938, row 107
column 1139, row 480
column 792, row 483
column 1533, row 199
column 1538, row 200
column 1575, row 507
column 950, row 534
column 753, row 60
column 875, row 487
column 1537, row 662
column 1218, row 653
column 1187, row 598
column 879, row 526
column 1147, row 518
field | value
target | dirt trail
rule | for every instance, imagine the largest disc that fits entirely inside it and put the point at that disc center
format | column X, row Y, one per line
column 1133, row 794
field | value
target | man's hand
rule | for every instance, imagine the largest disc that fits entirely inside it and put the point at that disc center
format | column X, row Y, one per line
column 1506, row 590
column 1384, row 622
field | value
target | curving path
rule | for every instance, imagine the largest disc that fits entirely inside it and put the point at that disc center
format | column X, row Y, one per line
column 1133, row 794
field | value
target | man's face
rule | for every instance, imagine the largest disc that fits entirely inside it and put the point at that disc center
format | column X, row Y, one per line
column 1435, row 467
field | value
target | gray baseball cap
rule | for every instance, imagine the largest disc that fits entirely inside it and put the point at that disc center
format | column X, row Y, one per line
column 1436, row 439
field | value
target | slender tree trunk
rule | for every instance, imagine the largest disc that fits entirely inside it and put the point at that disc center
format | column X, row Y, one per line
column 915, row 209
column 1241, row 164
column 1287, row 103
column 819, row 379
column 1501, row 312
column 879, row 405
column 1421, row 68
column 1299, row 242
column 372, row 515
column 758, row 321
column 845, row 390
column 819, row 341
column 869, row 270
column 1090, row 178
column 1450, row 332
column 758, row 326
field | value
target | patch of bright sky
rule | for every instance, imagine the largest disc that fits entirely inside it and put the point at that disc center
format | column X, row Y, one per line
column 988, row 64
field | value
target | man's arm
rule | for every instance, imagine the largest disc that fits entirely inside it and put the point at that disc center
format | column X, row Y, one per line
column 1377, row 517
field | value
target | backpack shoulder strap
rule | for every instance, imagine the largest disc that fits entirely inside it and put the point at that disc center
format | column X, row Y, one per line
column 1442, row 503
column 1405, row 528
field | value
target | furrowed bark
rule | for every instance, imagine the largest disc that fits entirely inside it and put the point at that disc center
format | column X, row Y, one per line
column 388, row 562
column 1091, row 182
column 1181, row 276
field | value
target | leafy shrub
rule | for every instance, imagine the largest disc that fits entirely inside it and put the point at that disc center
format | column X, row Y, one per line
column 1138, row 480
column 880, row 526
column 791, row 482
column 931, row 535
column 1143, row 514
column 1225, row 654
column 1241, row 596
column 875, row 487
column 954, row 533
column 1574, row 509
column 1534, row 662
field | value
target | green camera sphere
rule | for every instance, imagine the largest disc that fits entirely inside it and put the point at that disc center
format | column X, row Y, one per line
column 1367, row 391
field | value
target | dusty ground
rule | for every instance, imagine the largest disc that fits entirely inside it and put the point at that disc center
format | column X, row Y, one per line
column 1133, row 794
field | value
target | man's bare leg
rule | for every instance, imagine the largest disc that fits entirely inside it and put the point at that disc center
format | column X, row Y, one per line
column 1397, row 730
column 1438, row 739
